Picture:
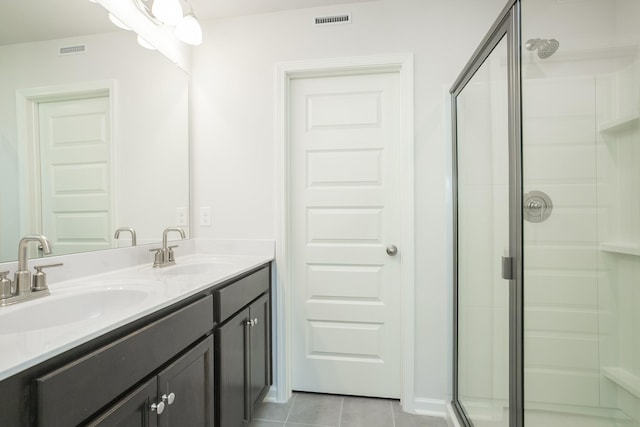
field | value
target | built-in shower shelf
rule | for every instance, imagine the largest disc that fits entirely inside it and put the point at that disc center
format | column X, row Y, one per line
column 623, row 378
column 620, row 248
column 621, row 123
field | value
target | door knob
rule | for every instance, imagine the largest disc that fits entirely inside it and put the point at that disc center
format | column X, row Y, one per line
column 392, row 250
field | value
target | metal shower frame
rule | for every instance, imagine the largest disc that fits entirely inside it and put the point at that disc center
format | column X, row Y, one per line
column 507, row 25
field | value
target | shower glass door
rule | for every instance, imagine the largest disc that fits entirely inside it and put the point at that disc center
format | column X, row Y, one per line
column 482, row 239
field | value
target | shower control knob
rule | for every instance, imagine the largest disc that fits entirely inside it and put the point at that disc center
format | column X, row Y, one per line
column 537, row 206
column 392, row 250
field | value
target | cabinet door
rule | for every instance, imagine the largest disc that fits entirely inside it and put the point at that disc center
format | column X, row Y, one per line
column 260, row 350
column 132, row 410
column 186, row 387
column 232, row 340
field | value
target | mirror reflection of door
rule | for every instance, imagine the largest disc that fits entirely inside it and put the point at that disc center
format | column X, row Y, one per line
column 75, row 173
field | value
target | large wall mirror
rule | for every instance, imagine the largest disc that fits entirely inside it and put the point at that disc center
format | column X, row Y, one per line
column 94, row 131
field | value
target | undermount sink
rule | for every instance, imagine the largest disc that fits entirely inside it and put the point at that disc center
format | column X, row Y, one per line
column 218, row 267
column 61, row 309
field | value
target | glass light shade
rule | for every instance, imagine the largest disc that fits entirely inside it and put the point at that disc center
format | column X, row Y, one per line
column 145, row 44
column 118, row 23
column 189, row 31
column 167, row 11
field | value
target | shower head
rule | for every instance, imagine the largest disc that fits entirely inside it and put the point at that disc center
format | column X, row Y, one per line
column 545, row 47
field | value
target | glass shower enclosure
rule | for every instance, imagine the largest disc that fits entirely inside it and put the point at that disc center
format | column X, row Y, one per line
column 546, row 130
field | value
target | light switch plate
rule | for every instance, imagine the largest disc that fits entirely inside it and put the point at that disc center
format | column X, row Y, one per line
column 182, row 217
column 205, row 216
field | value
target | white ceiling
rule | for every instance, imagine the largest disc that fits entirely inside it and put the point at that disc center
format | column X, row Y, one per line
column 211, row 9
column 33, row 20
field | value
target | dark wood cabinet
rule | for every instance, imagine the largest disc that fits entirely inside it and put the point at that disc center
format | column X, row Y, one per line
column 78, row 390
column 186, row 386
column 180, row 395
column 260, row 350
column 132, row 410
column 206, row 359
column 232, row 375
column 243, row 356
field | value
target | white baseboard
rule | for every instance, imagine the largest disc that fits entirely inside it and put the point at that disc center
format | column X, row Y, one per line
column 431, row 407
column 272, row 395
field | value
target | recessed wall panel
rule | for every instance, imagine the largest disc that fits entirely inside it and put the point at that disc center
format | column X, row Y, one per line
column 74, row 129
column 86, row 178
column 344, row 282
column 84, row 226
column 344, row 225
column 344, row 339
column 361, row 167
column 343, row 109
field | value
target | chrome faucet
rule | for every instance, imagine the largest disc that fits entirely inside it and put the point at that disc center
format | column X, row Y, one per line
column 164, row 256
column 23, row 287
column 22, row 278
column 130, row 230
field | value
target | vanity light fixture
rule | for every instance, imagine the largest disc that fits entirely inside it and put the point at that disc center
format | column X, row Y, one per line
column 145, row 44
column 118, row 23
column 169, row 13
column 188, row 29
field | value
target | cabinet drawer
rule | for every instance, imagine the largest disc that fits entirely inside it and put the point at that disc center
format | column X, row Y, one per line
column 77, row 390
column 231, row 298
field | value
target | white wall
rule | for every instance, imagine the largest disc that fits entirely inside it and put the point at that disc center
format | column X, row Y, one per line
column 233, row 168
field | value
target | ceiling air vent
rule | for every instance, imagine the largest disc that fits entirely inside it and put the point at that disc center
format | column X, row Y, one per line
column 70, row 50
column 335, row 19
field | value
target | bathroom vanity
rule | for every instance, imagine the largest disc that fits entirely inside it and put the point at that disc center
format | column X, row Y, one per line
column 196, row 353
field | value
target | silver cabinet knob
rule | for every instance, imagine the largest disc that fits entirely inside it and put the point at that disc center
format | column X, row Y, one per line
column 158, row 407
column 169, row 398
column 255, row 321
column 250, row 322
column 392, row 250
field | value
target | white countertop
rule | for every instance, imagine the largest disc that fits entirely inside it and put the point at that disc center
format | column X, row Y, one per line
column 145, row 290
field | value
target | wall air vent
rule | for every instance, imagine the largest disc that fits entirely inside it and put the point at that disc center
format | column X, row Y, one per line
column 335, row 19
column 71, row 50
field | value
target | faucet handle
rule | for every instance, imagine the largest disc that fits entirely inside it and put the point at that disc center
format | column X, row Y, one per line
column 170, row 255
column 157, row 258
column 5, row 285
column 40, row 278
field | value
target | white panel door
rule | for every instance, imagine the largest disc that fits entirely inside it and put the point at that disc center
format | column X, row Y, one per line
column 345, row 212
column 75, row 167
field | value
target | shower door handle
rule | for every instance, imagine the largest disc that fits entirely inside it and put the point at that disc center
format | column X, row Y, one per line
column 507, row 268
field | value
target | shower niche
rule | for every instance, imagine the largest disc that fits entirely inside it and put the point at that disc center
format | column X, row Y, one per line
column 618, row 140
column 618, row 125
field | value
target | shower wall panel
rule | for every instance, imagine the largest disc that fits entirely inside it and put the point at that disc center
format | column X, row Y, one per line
column 561, row 276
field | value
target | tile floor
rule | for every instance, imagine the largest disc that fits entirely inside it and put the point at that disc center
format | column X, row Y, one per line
column 325, row 410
